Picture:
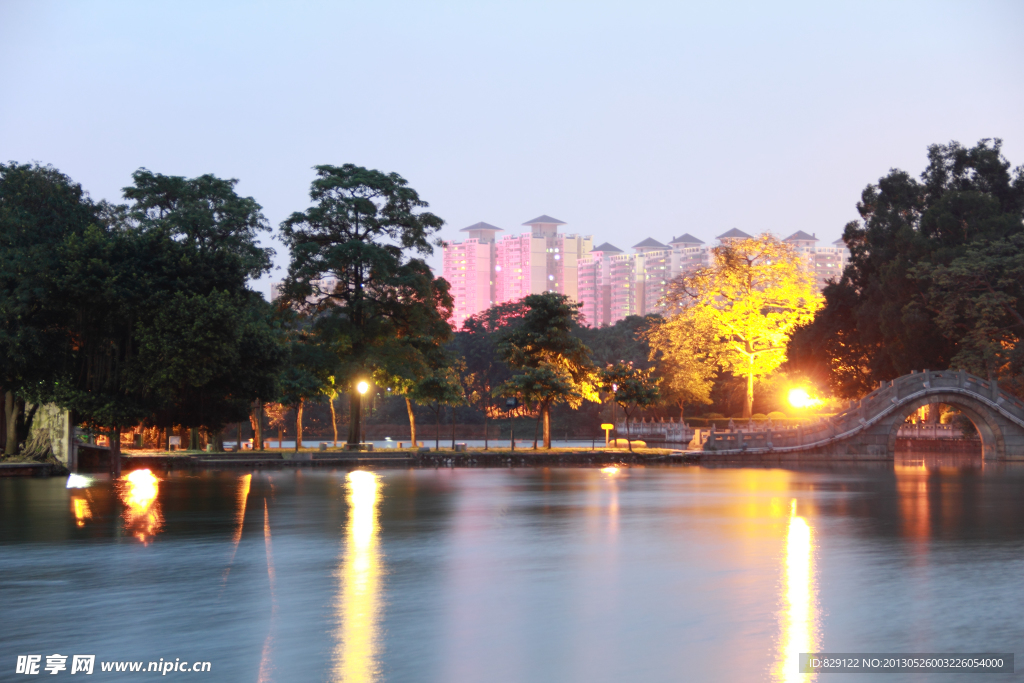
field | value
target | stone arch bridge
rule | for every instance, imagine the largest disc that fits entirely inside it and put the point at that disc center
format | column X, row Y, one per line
column 867, row 429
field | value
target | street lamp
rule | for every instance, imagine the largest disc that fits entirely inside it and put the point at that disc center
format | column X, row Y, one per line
column 361, row 388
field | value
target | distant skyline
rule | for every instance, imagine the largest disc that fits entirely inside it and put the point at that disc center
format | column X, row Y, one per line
column 626, row 121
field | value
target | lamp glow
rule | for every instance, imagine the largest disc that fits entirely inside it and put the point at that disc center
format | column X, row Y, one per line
column 799, row 398
column 362, row 387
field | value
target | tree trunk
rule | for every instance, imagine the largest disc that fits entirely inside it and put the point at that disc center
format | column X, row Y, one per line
column 115, row 451
column 681, row 404
column 546, row 412
column 11, row 413
column 218, row 441
column 748, row 407
column 193, row 439
column 453, row 427
column 437, row 427
column 334, row 422
column 933, row 413
column 629, row 439
column 354, row 418
column 280, row 437
column 536, row 427
column 412, row 421
column 257, row 429
column 486, row 442
column 238, row 443
column 298, row 423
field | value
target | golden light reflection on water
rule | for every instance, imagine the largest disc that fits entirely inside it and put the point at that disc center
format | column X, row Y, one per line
column 142, row 517
column 244, row 484
column 358, row 608
column 798, row 620
column 80, row 508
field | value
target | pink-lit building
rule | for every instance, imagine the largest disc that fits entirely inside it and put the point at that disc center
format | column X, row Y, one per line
column 511, row 267
column 469, row 269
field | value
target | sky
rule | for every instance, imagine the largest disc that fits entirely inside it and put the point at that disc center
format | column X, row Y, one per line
column 625, row 120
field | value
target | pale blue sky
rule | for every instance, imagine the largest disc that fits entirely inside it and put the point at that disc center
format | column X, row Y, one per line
column 626, row 120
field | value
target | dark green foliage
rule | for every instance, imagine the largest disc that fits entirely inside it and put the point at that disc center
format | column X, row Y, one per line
column 631, row 388
column 549, row 363
column 879, row 320
column 386, row 311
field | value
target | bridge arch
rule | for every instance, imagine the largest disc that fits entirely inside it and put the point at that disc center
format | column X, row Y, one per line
column 993, row 442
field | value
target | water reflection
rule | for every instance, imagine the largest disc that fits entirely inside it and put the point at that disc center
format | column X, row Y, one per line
column 266, row 663
column 243, row 496
column 799, row 618
column 80, row 508
column 357, row 654
column 142, row 517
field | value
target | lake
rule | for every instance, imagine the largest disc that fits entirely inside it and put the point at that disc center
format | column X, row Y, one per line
column 682, row 573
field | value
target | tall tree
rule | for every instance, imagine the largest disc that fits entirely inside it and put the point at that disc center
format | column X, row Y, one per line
column 978, row 301
column 753, row 295
column 549, row 363
column 436, row 391
column 879, row 321
column 163, row 323
column 40, row 210
column 356, row 236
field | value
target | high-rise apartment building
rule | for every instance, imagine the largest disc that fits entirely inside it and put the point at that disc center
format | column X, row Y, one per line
column 514, row 266
column 469, row 270
column 609, row 283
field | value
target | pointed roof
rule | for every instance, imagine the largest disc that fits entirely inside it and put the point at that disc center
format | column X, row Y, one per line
column 735, row 233
column 481, row 226
column 607, row 248
column 800, row 236
column 649, row 243
column 686, row 238
column 544, row 219
column 840, row 242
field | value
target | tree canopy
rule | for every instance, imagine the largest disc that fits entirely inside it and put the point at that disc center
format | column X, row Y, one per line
column 745, row 306
column 381, row 303
column 549, row 363
column 887, row 315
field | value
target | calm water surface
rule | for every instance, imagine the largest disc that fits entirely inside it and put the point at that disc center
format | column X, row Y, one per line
column 640, row 574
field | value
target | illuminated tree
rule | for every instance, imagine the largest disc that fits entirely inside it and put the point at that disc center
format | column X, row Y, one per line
column 685, row 349
column 748, row 302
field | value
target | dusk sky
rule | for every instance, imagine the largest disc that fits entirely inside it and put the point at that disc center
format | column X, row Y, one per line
column 625, row 120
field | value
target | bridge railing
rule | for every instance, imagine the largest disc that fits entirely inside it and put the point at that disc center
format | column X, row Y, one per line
column 861, row 412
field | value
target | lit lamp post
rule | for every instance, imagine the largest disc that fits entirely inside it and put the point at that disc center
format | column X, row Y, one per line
column 615, row 389
column 361, row 388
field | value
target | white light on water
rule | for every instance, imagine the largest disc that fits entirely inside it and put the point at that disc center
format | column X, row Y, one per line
column 77, row 481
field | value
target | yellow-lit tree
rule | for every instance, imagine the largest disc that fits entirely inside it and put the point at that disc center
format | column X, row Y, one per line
column 753, row 295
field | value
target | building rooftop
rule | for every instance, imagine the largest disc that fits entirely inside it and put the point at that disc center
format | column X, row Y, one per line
column 735, row 233
column 545, row 220
column 800, row 236
column 607, row 248
column 840, row 242
column 686, row 238
column 482, row 226
column 649, row 243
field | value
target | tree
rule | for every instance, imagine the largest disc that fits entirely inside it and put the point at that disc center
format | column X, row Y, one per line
column 439, row 389
column 476, row 343
column 751, row 298
column 978, row 301
column 40, row 209
column 308, row 373
column 631, row 388
column 163, row 325
column 355, row 236
column 549, row 364
column 879, row 320
column 686, row 351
